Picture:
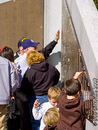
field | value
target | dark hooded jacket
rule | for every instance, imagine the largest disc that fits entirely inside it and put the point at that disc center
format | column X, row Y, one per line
column 50, row 127
column 39, row 78
column 72, row 114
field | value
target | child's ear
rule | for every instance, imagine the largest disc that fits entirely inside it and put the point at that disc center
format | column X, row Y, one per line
column 78, row 93
column 64, row 90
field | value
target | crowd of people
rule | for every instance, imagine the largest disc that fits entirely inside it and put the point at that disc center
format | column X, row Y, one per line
column 29, row 96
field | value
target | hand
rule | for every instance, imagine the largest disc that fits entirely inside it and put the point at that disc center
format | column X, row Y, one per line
column 57, row 35
column 36, row 104
column 12, row 97
column 78, row 75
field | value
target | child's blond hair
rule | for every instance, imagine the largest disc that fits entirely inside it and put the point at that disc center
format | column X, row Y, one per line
column 53, row 93
column 34, row 57
column 51, row 116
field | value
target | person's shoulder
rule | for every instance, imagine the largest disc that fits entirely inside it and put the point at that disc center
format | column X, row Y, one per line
column 17, row 60
column 16, row 55
column 4, row 60
column 23, row 57
column 52, row 67
column 20, row 59
column 45, row 105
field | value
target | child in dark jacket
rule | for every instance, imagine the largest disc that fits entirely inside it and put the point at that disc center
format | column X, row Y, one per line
column 71, row 108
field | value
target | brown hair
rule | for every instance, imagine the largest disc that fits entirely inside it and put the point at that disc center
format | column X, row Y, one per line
column 72, row 86
column 8, row 53
column 34, row 57
column 51, row 116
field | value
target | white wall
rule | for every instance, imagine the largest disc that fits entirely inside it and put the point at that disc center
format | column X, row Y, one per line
column 89, row 126
column 52, row 22
column 85, row 20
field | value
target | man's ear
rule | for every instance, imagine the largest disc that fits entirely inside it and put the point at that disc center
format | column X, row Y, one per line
column 20, row 48
column 27, row 50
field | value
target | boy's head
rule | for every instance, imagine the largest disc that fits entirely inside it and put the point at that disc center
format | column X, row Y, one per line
column 51, row 116
column 72, row 87
column 53, row 95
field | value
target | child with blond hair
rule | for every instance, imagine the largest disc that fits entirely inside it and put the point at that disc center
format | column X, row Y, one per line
column 50, row 118
column 39, row 110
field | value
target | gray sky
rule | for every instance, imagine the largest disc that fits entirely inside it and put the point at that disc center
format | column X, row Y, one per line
column 2, row 1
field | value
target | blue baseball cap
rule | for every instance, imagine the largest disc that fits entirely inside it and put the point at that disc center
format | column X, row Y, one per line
column 29, row 43
column 20, row 41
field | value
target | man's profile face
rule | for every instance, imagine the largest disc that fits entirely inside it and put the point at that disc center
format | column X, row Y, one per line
column 20, row 48
column 31, row 49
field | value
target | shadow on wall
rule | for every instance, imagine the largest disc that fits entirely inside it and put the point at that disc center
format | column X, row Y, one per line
column 55, row 58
